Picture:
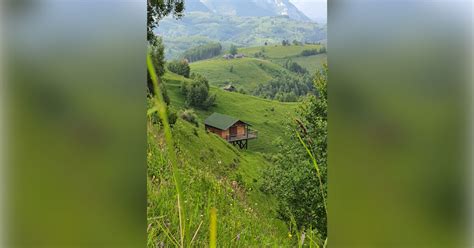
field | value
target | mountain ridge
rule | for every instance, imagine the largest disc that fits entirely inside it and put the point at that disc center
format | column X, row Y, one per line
column 256, row 8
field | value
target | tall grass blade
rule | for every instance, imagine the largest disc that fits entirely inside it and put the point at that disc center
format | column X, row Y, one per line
column 318, row 173
column 160, row 106
column 213, row 229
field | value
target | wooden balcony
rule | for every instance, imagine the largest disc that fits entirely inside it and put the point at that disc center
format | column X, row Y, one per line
column 251, row 134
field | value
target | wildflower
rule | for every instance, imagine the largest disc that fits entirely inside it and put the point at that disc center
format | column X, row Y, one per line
column 289, row 235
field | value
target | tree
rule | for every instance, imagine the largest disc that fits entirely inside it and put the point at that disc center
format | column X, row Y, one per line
column 233, row 49
column 197, row 92
column 156, row 49
column 179, row 67
column 157, row 9
column 202, row 52
column 293, row 178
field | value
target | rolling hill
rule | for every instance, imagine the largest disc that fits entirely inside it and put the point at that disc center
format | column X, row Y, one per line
column 248, row 72
column 197, row 28
column 266, row 116
column 280, row 54
column 218, row 174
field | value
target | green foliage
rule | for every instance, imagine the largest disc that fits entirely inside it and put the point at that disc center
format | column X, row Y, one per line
column 179, row 67
column 197, row 92
column 293, row 178
column 202, row 52
column 233, row 49
column 156, row 50
column 231, row 69
column 295, row 67
column 201, row 28
column 208, row 166
column 190, row 116
column 286, row 88
column 313, row 51
column 246, row 107
column 157, row 9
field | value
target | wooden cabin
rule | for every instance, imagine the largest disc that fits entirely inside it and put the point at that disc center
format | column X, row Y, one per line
column 235, row 131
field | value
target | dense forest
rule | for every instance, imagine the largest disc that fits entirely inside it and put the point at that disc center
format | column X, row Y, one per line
column 202, row 52
column 286, row 87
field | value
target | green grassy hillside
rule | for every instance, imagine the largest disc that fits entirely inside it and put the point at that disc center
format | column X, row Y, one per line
column 246, row 73
column 279, row 54
column 214, row 175
column 266, row 116
column 197, row 27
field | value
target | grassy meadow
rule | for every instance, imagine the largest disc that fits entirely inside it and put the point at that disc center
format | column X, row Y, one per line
column 214, row 174
column 268, row 117
column 246, row 73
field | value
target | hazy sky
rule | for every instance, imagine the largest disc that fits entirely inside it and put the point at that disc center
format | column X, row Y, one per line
column 314, row 9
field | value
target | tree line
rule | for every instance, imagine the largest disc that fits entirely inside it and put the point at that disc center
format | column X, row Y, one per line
column 285, row 87
column 309, row 52
column 202, row 52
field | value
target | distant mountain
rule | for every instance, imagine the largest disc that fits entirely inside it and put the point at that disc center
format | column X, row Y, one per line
column 254, row 8
column 195, row 5
column 198, row 28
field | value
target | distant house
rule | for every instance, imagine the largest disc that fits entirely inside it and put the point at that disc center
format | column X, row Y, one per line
column 233, row 130
column 228, row 56
column 230, row 88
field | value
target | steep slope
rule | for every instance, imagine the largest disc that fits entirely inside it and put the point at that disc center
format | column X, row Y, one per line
column 266, row 116
column 213, row 174
column 255, row 8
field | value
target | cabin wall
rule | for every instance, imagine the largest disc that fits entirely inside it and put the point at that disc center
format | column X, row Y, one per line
column 223, row 133
column 241, row 129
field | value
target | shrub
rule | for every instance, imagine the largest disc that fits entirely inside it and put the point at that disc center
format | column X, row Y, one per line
column 295, row 67
column 309, row 52
column 180, row 67
column 172, row 117
column 197, row 92
column 189, row 116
